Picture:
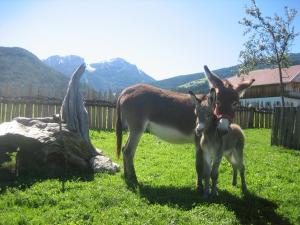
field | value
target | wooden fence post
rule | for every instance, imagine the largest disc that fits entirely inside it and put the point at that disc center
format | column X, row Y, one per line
column 290, row 127
column 251, row 117
column 1, row 106
column 8, row 113
column 109, row 118
column 104, row 127
column 100, row 120
column 296, row 138
column 16, row 108
column 275, row 125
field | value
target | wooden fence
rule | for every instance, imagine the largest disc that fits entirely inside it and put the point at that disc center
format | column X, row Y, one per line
column 102, row 114
column 284, row 121
column 286, row 127
column 254, row 117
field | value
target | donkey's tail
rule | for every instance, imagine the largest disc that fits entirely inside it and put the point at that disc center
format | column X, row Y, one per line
column 119, row 129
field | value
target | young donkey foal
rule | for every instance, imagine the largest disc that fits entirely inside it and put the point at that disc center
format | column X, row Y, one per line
column 168, row 115
column 215, row 144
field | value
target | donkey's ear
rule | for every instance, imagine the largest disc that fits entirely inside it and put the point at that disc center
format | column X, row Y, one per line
column 195, row 101
column 214, row 80
column 243, row 86
column 212, row 96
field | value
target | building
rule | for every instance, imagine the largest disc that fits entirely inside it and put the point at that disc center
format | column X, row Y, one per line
column 265, row 91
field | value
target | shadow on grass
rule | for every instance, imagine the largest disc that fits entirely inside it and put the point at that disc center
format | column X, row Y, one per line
column 250, row 209
column 8, row 179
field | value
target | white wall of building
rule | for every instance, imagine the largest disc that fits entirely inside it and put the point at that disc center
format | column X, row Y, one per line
column 270, row 101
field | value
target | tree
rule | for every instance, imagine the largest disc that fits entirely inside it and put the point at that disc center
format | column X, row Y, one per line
column 269, row 40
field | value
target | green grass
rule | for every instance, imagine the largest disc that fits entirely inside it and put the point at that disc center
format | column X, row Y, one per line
column 166, row 194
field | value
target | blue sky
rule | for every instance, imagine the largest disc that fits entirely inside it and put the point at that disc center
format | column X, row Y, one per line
column 162, row 37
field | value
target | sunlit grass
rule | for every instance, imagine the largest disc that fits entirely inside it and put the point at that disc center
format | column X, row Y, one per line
column 166, row 194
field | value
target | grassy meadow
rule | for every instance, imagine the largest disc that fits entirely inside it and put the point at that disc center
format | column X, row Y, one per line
column 166, row 194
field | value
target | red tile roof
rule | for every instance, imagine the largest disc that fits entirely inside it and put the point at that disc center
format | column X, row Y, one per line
column 270, row 76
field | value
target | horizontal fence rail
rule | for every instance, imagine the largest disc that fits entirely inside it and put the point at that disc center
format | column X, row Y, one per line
column 286, row 127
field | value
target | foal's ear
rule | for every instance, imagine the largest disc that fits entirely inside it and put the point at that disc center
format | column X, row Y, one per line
column 212, row 96
column 195, row 101
column 243, row 86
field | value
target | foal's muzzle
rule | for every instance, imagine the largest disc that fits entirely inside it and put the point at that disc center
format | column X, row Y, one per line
column 199, row 128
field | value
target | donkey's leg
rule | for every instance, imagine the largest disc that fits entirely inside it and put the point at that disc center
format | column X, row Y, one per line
column 128, row 154
column 206, row 172
column 215, row 172
column 199, row 164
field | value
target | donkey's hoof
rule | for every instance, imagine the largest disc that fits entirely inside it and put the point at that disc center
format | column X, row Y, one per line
column 132, row 184
column 206, row 196
column 199, row 189
column 130, row 180
column 245, row 190
column 214, row 193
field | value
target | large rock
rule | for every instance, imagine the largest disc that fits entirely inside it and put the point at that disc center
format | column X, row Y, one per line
column 58, row 145
column 45, row 148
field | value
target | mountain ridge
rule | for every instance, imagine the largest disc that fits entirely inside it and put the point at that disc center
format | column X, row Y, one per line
column 19, row 68
column 114, row 74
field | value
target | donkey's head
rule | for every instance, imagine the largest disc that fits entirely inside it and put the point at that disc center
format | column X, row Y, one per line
column 223, row 98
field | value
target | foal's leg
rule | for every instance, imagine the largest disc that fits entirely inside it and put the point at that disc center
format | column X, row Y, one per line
column 239, row 158
column 199, row 164
column 215, row 172
column 234, row 175
column 230, row 158
column 206, row 171
column 236, row 160
column 243, row 181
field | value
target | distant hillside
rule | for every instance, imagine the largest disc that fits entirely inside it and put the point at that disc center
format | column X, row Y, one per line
column 21, row 71
column 176, row 81
column 115, row 74
column 197, row 82
column 182, row 80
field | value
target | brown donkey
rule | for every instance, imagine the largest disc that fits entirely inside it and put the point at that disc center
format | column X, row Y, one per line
column 168, row 115
column 214, row 144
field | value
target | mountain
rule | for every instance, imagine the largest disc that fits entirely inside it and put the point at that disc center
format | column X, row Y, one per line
column 115, row 74
column 65, row 65
column 197, row 83
column 22, row 73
